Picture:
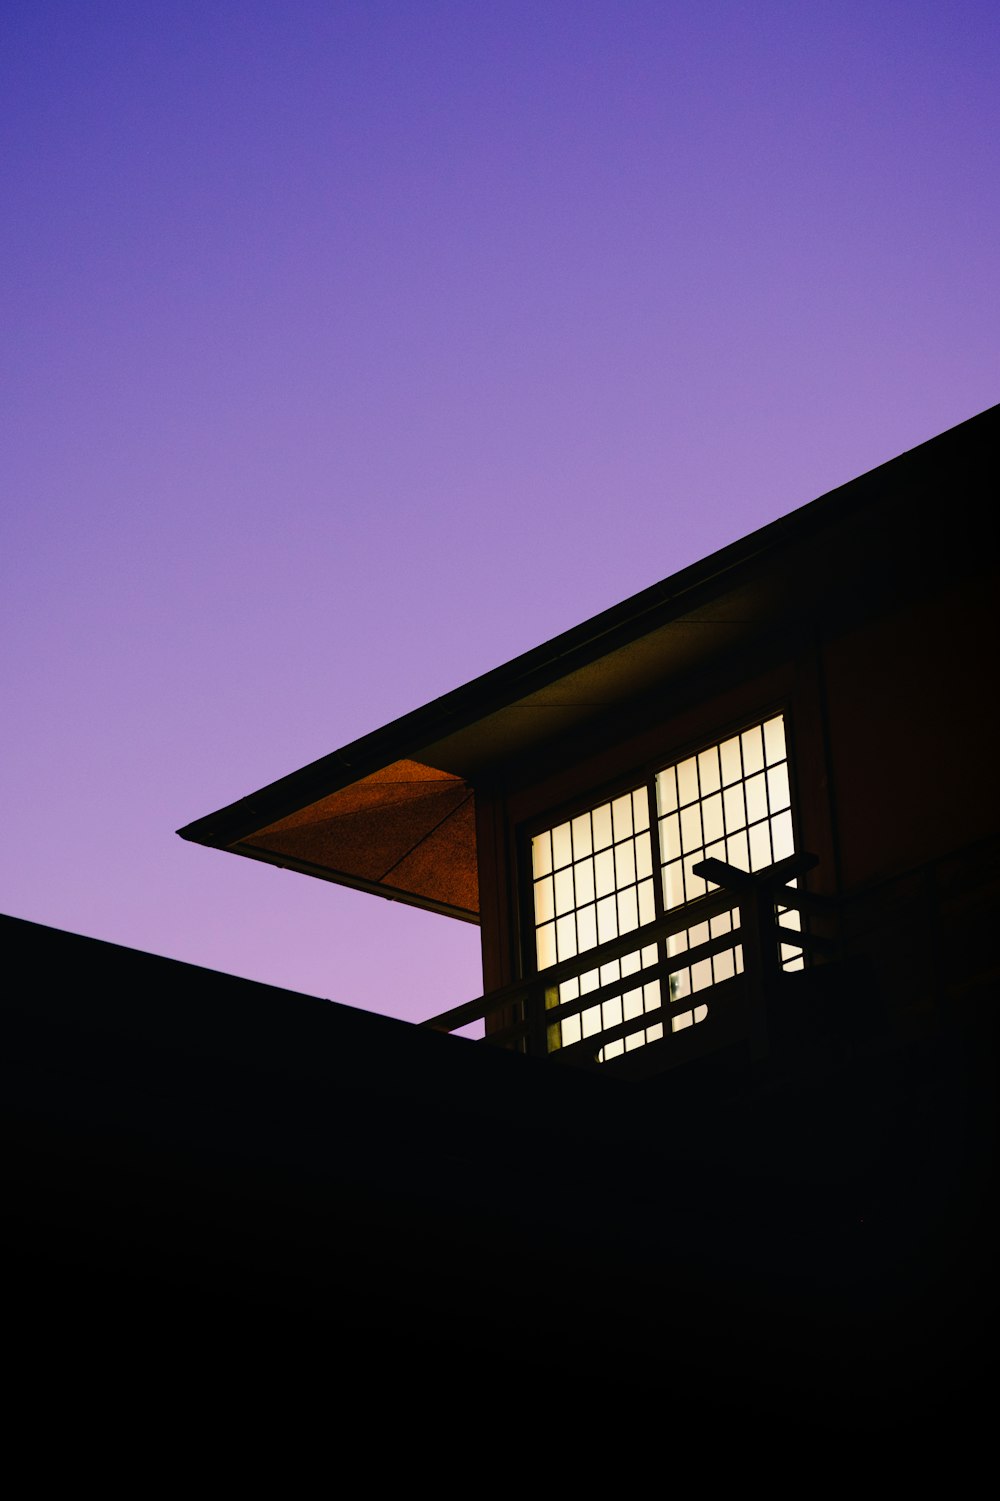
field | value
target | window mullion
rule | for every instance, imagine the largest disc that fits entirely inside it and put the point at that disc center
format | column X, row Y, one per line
column 660, row 909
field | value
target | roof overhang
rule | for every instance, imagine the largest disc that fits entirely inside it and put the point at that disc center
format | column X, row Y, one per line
column 393, row 813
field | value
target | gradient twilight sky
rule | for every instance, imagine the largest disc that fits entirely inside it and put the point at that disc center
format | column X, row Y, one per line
column 352, row 347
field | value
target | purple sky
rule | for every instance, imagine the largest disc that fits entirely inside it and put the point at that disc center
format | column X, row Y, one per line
column 350, row 349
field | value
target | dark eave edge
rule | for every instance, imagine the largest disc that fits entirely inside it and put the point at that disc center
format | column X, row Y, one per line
column 341, row 878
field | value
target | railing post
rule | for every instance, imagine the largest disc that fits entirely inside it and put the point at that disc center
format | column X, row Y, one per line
column 760, row 958
column 758, row 895
column 538, row 1043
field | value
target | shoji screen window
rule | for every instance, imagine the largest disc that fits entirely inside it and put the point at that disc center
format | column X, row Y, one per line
column 731, row 801
column 593, row 880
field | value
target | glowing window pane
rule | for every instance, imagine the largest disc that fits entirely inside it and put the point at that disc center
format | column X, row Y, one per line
column 724, row 966
column 562, row 848
column 586, row 928
column 756, row 793
column 643, row 857
column 701, row 975
column 670, row 837
column 732, row 765
column 545, row 946
column 628, row 911
column 711, row 817
column 687, row 781
column 738, row 852
column 583, row 843
column 666, row 791
column 753, row 750
column 760, row 847
column 691, row 828
column 566, row 936
column 673, row 886
column 709, row 775
column 604, row 873
column 720, row 925
column 777, row 788
column 774, row 740
column 544, row 903
column 735, row 807
column 621, row 816
column 607, row 920
column 640, row 810
column 625, row 863
column 781, row 835
column 584, row 876
column 632, row 1004
column 570, row 1030
column 564, row 890
column 647, row 903
column 541, row 855
column 601, row 819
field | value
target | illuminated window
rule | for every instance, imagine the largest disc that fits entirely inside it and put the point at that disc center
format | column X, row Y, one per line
column 616, row 867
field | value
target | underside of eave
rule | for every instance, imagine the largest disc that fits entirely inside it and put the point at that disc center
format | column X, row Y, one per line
column 406, row 832
column 355, row 883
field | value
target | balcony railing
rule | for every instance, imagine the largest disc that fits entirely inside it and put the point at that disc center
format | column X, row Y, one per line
column 524, row 1012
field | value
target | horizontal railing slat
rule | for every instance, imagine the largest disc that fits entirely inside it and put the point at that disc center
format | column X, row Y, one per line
column 729, row 897
column 677, row 921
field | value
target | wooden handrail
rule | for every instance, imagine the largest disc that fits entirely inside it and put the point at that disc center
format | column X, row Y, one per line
column 760, row 932
column 676, row 921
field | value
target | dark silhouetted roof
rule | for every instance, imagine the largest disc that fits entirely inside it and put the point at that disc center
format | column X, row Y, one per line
column 393, row 812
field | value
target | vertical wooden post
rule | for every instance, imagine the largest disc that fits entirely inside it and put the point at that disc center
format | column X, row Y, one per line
column 757, row 896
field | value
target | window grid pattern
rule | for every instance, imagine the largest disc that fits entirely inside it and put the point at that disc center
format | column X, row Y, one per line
column 731, row 801
column 592, row 880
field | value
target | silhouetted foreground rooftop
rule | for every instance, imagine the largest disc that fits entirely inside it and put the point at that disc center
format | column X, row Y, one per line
column 278, row 1193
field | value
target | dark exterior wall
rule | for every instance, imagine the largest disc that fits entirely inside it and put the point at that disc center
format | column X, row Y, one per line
column 913, row 729
column 913, row 732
